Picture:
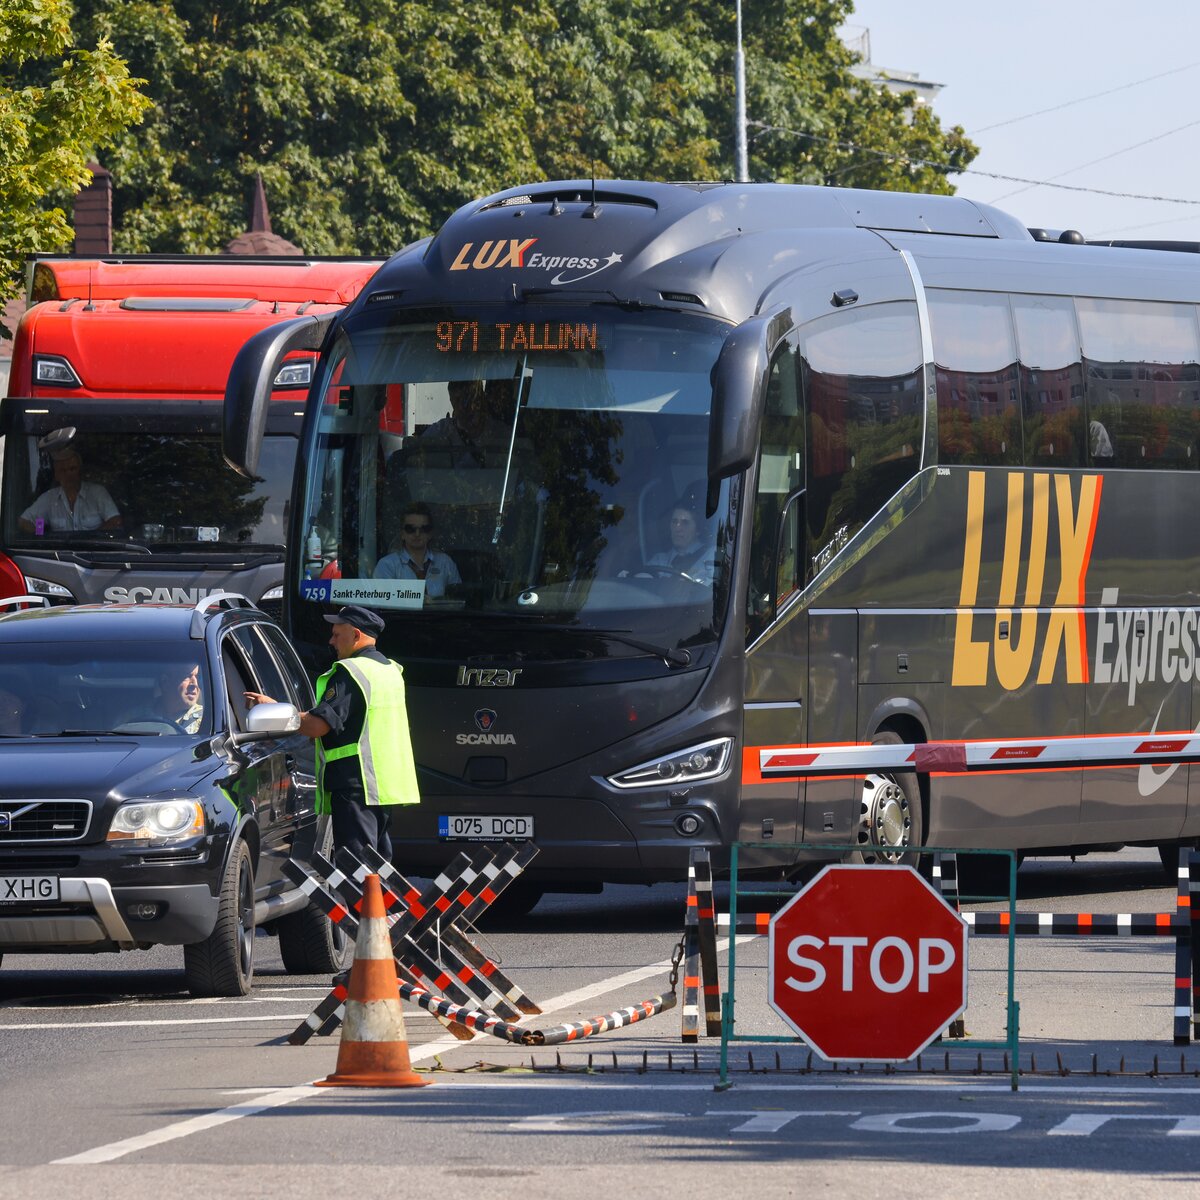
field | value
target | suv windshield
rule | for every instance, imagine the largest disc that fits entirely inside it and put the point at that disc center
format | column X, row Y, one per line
column 53, row 689
column 164, row 491
column 542, row 465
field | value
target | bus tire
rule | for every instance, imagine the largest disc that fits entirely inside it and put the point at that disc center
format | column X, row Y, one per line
column 890, row 823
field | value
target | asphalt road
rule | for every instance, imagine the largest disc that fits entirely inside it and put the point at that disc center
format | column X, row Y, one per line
column 113, row 1082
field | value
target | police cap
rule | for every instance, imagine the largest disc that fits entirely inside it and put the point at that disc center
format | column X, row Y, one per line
column 363, row 619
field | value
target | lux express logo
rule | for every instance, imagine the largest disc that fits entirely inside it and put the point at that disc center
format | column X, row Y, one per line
column 514, row 253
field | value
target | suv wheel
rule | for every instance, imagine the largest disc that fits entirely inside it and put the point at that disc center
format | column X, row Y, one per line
column 223, row 964
column 311, row 944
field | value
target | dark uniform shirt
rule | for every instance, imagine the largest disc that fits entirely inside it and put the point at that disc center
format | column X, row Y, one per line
column 344, row 710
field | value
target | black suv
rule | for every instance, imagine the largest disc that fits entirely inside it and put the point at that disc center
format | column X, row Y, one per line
column 140, row 804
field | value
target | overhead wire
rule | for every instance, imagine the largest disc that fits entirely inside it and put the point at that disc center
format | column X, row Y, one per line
column 1041, row 112
column 945, row 169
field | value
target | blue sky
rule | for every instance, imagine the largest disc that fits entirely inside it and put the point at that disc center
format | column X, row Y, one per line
column 1003, row 61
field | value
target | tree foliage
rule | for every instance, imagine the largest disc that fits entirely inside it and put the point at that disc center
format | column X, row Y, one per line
column 57, row 104
column 372, row 120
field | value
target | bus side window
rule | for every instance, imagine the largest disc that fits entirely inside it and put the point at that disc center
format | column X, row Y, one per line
column 1142, row 378
column 1051, row 381
column 777, row 544
column 978, row 404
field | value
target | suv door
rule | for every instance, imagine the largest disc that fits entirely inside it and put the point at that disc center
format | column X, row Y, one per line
column 262, row 786
column 302, row 762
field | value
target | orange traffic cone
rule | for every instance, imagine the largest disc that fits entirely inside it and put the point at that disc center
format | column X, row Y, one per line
column 374, row 1049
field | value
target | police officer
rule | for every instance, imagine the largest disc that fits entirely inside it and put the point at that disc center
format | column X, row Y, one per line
column 360, row 724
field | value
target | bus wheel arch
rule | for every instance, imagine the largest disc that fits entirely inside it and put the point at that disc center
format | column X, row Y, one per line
column 893, row 806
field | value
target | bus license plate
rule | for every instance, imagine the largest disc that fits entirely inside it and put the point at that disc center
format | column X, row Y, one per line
column 28, row 889
column 489, row 828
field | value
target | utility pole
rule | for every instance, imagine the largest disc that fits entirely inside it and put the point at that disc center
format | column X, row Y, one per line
column 739, row 131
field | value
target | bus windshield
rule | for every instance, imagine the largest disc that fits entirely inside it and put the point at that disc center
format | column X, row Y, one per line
column 540, row 465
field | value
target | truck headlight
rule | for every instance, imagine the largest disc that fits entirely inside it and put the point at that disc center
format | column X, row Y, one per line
column 705, row 761
column 46, row 587
column 157, row 820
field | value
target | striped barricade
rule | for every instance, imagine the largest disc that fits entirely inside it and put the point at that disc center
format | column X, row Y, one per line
column 1183, row 925
column 421, row 955
column 700, row 978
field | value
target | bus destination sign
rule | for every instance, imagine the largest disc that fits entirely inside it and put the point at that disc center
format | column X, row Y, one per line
column 476, row 337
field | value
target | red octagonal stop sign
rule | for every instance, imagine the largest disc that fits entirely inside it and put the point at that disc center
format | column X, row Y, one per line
column 868, row 963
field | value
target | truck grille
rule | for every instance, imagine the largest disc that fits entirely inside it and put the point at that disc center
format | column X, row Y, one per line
column 43, row 820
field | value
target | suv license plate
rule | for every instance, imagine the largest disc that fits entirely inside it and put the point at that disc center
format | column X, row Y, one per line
column 489, row 828
column 28, row 889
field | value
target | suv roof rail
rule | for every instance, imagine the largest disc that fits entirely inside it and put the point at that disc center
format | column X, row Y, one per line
column 216, row 600
column 44, row 601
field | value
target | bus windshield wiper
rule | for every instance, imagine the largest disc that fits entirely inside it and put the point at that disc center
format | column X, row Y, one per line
column 673, row 656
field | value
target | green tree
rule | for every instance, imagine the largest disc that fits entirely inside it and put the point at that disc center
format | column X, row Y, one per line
column 372, row 120
column 57, row 104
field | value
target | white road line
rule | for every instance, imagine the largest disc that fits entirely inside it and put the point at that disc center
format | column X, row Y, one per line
column 181, row 1129
column 169, row 1133
column 157, row 1021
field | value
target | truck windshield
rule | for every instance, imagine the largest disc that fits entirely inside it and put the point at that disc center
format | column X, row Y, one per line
column 517, row 463
column 160, row 492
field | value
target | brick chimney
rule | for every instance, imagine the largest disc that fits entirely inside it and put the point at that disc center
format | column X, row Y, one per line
column 93, row 214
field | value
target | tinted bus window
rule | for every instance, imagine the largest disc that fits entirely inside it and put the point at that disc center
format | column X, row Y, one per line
column 1142, row 380
column 1051, row 381
column 979, row 413
column 777, row 544
column 862, row 380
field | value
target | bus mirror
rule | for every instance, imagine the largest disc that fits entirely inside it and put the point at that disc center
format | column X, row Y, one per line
column 739, row 388
column 252, row 380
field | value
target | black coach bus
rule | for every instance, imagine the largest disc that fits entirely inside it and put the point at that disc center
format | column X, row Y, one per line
column 701, row 477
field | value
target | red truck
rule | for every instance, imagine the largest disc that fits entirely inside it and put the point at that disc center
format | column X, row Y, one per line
column 118, row 377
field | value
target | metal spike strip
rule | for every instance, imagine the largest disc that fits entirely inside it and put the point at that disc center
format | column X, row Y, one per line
column 456, row 979
column 706, row 928
column 689, row 1016
column 503, row 868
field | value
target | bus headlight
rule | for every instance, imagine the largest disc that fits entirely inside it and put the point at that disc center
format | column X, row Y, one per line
column 157, row 820
column 705, row 761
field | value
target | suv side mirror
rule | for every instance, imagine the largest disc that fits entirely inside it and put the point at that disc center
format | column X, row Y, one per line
column 267, row 721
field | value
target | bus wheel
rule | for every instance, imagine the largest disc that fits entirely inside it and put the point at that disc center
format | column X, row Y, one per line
column 889, row 822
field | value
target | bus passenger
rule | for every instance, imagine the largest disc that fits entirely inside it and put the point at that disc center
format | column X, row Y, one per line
column 415, row 559
column 472, row 435
column 73, row 504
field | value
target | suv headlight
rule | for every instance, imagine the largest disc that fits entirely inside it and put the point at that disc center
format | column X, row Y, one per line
column 157, row 820
column 705, row 761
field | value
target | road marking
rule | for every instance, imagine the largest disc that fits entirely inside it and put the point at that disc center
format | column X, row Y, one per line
column 181, row 1129
column 950, row 1122
column 169, row 1133
column 1085, row 1124
column 156, row 1021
